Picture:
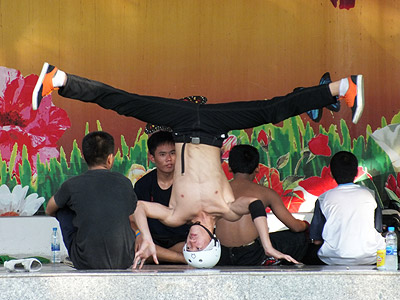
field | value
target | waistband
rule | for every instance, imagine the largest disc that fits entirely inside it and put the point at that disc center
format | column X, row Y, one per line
column 215, row 141
column 256, row 242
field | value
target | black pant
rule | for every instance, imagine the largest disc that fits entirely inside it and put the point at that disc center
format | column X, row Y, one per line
column 311, row 257
column 287, row 242
column 68, row 230
column 190, row 118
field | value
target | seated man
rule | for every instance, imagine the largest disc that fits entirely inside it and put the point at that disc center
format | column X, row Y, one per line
column 343, row 230
column 93, row 210
column 240, row 243
column 156, row 186
column 200, row 193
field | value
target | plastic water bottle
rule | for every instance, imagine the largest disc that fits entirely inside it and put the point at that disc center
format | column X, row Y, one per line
column 55, row 247
column 391, row 261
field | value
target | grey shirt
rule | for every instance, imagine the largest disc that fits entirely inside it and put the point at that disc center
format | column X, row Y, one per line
column 102, row 202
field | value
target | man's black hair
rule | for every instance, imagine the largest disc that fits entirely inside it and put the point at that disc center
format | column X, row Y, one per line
column 96, row 147
column 159, row 138
column 243, row 159
column 344, row 167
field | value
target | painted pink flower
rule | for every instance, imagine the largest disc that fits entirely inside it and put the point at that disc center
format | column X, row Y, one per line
column 38, row 130
column 318, row 145
column 228, row 144
column 344, row 4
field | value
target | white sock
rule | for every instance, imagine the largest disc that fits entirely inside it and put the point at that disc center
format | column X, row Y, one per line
column 343, row 87
column 59, row 79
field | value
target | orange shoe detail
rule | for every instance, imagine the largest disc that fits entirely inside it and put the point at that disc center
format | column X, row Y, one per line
column 48, row 83
column 351, row 93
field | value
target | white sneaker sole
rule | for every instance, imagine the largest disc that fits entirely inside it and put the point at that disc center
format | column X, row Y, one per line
column 39, row 83
column 23, row 265
column 359, row 99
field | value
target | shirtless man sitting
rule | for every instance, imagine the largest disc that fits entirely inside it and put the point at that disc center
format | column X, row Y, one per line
column 201, row 192
column 239, row 240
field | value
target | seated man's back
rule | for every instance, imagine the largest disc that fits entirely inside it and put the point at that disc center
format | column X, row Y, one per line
column 93, row 210
column 343, row 230
column 240, row 239
column 100, row 201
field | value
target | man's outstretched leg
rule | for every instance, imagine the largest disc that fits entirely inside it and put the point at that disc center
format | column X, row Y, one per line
column 350, row 89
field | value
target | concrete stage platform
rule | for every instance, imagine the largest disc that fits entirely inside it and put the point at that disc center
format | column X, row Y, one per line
column 182, row 282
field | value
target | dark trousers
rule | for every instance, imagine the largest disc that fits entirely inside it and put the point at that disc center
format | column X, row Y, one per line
column 65, row 217
column 187, row 117
column 311, row 257
column 287, row 242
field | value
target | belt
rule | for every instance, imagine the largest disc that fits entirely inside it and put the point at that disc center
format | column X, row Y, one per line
column 200, row 139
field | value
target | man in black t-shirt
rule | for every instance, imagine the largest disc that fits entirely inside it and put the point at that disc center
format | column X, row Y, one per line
column 156, row 186
column 93, row 210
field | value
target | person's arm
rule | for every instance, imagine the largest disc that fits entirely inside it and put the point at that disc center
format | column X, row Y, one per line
column 259, row 216
column 51, row 207
column 169, row 255
column 143, row 211
column 262, row 228
column 257, row 210
column 282, row 213
column 174, row 254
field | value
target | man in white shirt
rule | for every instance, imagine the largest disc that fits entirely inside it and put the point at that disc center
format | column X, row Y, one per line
column 343, row 230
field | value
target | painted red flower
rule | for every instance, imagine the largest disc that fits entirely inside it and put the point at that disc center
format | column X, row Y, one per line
column 344, row 4
column 318, row 185
column 270, row 177
column 225, row 168
column 38, row 130
column 393, row 184
column 319, row 145
column 262, row 138
column 228, row 144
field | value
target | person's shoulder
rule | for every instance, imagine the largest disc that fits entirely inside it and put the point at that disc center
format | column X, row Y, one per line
column 149, row 175
column 366, row 190
column 73, row 179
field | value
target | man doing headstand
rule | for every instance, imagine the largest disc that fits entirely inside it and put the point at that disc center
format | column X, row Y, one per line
column 201, row 193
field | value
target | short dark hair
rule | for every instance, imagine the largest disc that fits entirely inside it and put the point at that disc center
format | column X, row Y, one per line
column 344, row 167
column 96, row 147
column 243, row 159
column 159, row 138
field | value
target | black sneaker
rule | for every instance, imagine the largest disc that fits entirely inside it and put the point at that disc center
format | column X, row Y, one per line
column 316, row 114
column 326, row 79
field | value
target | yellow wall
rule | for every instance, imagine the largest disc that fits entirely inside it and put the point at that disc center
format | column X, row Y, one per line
column 222, row 49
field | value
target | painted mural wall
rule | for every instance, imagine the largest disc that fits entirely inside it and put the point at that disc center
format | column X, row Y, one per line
column 224, row 50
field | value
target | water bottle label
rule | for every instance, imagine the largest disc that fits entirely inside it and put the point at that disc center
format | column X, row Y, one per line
column 55, row 247
column 390, row 250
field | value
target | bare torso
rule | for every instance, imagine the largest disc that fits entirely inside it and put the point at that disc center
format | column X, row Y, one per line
column 242, row 232
column 202, row 185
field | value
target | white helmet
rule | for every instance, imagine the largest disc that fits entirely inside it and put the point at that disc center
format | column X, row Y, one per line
column 206, row 258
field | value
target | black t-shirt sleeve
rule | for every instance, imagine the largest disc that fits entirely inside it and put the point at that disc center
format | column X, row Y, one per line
column 62, row 196
column 144, row 187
